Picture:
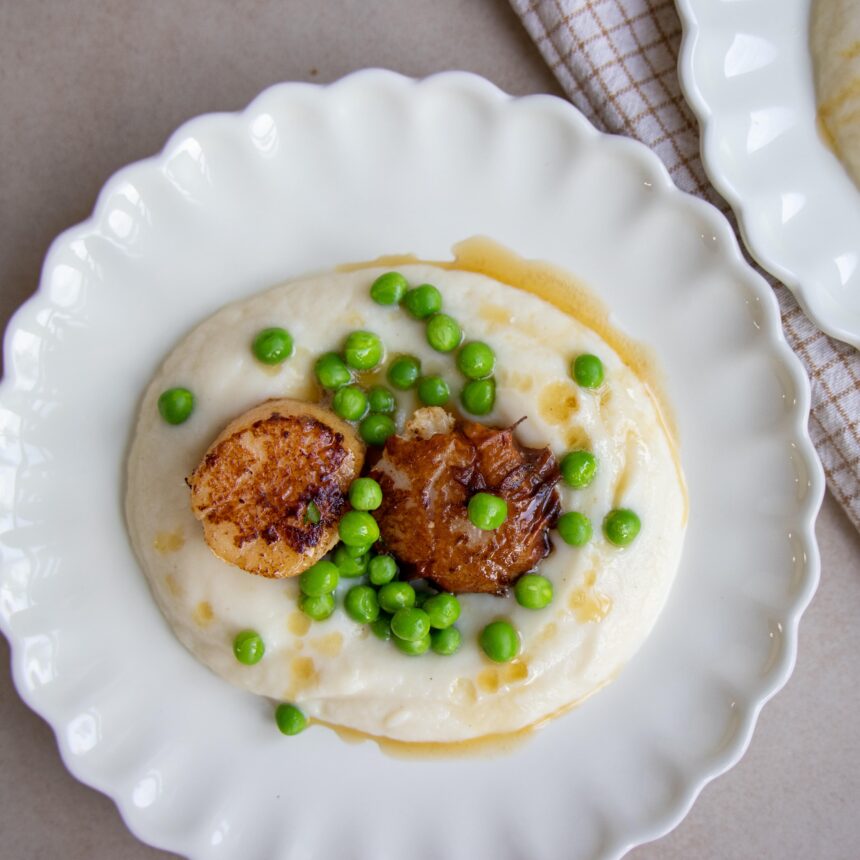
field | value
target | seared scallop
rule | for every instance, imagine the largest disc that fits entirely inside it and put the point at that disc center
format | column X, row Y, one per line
column 428, row 475
column 272, row 487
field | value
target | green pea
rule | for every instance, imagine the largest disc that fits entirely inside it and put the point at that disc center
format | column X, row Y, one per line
column 312, row 513
column 248, row 647
column 443, row 333
column 479, row 396
column 433, row 391
column 331, row 372
column 587, row 370
column 413, row 648
column 375, row 429
column 361, row 604
column 446, row 641
column 358, row 528
column 176, row 405
column 578, row 469
column 290, row 720
column 574, row 528
column 410, row 624
column 381, row 399
column 396, row 595
column 621, row 526
column 487, row 511
column 442, row 609
column 500, row 641
column 272, row 345
column 533, row 591
column 389, row 289
column 476, row 360
column 349, row 566
column 356, row 551
column 382, row 569
column 404, row 371
column 318, row 608
column 319, row 579
column 365, row 494
column 423, row 301
column 350, row 403
column 381, row 628
column 363, row 350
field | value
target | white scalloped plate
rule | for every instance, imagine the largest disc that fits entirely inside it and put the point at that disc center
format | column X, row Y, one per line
column 305, row 178
column 746, row 71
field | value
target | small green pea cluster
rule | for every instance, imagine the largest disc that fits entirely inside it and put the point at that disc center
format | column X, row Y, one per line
column 362, row 351
column 578, row 470
column 416, row 621
column 316, row 586
column 413, row 621
column 475, row 359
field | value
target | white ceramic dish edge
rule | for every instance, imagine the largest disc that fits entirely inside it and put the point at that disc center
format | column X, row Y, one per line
column 783, row 665
column 797, row 208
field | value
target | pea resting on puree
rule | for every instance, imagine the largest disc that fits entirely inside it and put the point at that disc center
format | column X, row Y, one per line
column 343, row 631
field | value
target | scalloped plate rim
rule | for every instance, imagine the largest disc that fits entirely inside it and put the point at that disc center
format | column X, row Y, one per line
column 783, row 666
column 744, row 203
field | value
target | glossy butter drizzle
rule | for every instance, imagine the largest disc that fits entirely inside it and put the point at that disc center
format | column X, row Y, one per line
column 495, row 744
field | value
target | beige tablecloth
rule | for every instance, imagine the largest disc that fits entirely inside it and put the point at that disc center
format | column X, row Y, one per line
column 617, row 61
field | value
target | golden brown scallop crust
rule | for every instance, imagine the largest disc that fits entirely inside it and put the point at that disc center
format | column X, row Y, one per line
column 254, row 487
column 427, row 478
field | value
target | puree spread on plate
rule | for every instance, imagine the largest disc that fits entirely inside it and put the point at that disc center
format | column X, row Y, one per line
column 424, row 505
column 835, row 45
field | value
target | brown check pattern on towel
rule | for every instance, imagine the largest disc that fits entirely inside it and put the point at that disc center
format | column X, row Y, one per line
column 617, row 61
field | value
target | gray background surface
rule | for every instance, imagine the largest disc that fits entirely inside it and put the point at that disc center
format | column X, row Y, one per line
column 87, row 86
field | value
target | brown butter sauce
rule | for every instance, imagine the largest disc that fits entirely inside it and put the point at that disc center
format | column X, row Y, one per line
column 485, row 746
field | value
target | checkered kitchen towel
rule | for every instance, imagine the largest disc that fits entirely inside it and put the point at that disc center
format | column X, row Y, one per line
column 617, row 61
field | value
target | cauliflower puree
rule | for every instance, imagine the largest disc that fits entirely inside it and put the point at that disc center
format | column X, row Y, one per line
column 606, row 599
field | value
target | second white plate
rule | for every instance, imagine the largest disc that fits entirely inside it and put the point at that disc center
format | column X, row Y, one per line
column 746, row 71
